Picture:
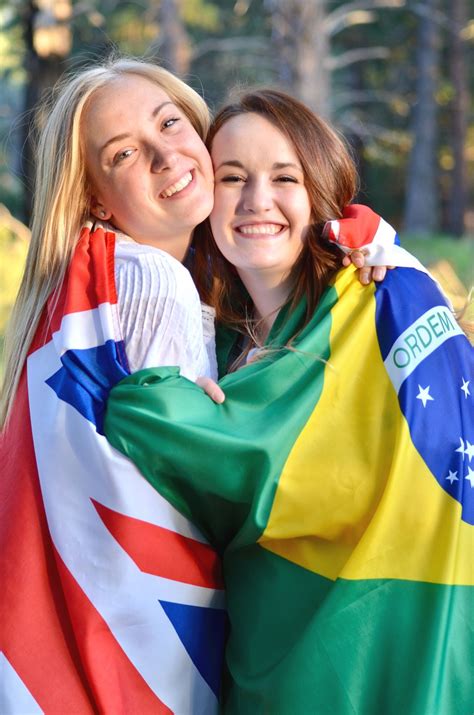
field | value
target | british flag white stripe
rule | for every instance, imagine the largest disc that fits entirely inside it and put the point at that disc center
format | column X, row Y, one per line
column 15, row 698
column 149, row 505
column 87, row 329
column 126, row 598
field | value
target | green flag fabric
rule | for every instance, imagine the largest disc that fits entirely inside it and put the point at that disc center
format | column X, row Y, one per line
column 336, row 481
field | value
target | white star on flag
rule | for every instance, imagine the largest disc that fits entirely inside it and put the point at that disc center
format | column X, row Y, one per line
column 452, row 477
column 461, row 447
column 470, row 476
column 424, row 394
column 465, row 387
column 469, row 450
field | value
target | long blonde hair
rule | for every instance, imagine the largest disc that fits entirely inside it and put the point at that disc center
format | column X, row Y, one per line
column 61, row 200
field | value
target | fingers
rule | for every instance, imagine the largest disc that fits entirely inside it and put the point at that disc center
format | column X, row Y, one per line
column 379, row 273
column 365, row 275
column 212, row 389
column 357, row 258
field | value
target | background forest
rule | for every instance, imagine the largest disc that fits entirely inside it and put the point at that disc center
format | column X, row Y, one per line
column 392, row 75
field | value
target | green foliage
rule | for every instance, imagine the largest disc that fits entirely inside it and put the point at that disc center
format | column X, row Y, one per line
column 201, row 15
column 230, row 44
column 12, row 259
column 12, row 78
column 458, row 252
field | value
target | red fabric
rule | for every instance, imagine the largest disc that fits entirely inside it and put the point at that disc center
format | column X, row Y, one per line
column 60, row 646
column 162, row 552
column 357, row 227
column 85, row 284
column 35, row 630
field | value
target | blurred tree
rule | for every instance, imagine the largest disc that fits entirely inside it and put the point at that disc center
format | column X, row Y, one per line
column 232, row 49
column 421, row 203
column 332, row 53
column 301, row 47
column 302, row 35
column 459, row 110
column 47, row 37
column 173, row 41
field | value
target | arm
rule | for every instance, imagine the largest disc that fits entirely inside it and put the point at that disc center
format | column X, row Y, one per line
column 218, row 464
column 160, row 311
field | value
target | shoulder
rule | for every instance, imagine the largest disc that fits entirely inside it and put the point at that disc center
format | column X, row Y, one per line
column 129, row 253
column 152, row 268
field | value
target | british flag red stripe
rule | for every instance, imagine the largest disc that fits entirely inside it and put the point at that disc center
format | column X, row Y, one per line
column 111, row 600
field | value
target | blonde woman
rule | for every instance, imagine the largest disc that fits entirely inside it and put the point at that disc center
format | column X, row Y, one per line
column 117, row 595
column 111, row 600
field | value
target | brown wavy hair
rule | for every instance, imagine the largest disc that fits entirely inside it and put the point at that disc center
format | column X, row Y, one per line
column 331, row 181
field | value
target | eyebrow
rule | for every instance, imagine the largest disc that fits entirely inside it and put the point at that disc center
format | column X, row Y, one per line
column 120, row 137
column 275, row 167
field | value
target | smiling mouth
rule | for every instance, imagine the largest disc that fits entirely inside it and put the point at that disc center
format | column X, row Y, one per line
column 260, row 229
column 179, row 186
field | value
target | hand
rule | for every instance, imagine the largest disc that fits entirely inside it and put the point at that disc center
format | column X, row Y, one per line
column 366, row 273
column 211, row 388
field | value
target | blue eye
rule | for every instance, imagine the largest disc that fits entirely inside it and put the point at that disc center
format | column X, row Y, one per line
column 121, row 155
column 170, row 122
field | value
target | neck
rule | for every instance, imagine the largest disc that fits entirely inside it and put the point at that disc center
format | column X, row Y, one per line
column 177, row 247
column 268, row 293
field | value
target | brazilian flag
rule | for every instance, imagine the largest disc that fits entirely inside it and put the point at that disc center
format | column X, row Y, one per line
column 337, row 482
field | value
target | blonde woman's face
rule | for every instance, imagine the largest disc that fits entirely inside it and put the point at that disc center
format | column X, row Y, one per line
column 150, row 173
column 261, row 206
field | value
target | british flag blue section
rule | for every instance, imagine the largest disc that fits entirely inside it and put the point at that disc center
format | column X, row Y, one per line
column 129, row 612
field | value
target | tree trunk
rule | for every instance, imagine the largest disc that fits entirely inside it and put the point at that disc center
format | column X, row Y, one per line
column 458, row 124
column 301, row 50
column 421, row 203
column 43, row 66
column 174, row 47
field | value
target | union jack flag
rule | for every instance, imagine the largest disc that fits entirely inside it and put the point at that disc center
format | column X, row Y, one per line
column 111, row 600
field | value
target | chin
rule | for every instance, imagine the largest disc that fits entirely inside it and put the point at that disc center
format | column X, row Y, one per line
column 201, row 214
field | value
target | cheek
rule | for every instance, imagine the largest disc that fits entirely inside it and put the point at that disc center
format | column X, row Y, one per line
column 216, row 223
column 195, row 147
column 220, row 228
column 207, row 165
column 226, row 200
column 219, row 210
column 301, row 210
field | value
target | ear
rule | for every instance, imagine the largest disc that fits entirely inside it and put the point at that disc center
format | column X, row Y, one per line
column 99, row 210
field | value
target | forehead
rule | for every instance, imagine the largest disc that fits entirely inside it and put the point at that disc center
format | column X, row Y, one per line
column 253, row 136
column 121, row 104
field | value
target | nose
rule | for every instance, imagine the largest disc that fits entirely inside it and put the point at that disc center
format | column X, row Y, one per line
column 257, row 197
column 163, row 157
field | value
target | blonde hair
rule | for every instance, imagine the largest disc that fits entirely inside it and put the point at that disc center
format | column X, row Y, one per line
column 61, row 201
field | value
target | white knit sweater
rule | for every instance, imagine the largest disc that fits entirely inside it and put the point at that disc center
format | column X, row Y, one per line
column 163, row 321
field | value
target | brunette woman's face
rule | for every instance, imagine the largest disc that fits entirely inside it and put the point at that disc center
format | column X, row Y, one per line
column 150, row 173
column 261, row 206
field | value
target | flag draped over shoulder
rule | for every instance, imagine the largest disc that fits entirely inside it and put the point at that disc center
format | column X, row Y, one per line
column 338, row 477
column 111, row 601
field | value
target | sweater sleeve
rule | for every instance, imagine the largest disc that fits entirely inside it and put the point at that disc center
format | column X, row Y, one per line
column 160, row 313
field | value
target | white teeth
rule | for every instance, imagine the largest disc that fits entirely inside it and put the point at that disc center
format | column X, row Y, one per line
column 179, row 186
column 260, row 228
